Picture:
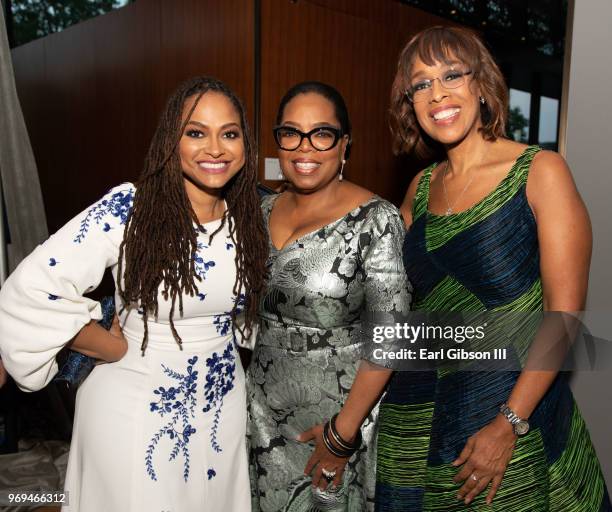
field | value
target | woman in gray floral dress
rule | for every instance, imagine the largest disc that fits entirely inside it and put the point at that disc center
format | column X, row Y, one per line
column 335, row 253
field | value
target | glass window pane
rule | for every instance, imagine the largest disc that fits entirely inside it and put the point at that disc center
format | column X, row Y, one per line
column 518, row 119
column 549, row 115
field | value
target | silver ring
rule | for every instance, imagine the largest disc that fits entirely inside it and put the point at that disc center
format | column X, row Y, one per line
column 474, row 477
column 329, row 475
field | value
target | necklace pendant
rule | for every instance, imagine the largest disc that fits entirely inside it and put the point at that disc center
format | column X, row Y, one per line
column 449, row 211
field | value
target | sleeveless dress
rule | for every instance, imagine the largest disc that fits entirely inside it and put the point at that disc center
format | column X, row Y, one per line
column 308, row 349
column 163, row 431
column 483, row 259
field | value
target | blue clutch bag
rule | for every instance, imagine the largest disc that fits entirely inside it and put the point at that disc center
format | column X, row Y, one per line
column 78, row 366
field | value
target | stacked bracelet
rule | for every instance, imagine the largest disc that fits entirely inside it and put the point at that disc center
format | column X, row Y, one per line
column 339, row 447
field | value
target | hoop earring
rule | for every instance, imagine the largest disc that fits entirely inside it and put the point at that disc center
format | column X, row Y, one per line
column 340, row 176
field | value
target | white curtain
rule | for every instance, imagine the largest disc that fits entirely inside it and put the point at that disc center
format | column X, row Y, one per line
column 20, row 187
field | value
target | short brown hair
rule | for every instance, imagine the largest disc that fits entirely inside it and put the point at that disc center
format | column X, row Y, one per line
column 444, row 44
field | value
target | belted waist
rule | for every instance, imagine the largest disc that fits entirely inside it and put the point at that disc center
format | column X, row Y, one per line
column 305, row 338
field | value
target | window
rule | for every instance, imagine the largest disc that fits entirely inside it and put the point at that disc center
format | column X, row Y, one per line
column 549, row 120
column 518, row 117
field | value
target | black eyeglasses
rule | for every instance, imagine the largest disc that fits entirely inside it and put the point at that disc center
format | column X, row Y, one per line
column 322, row 139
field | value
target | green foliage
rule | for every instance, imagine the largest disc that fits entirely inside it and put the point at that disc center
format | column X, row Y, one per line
column 37, row 18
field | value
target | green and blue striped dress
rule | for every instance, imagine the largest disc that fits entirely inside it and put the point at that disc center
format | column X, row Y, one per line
column 483, row 259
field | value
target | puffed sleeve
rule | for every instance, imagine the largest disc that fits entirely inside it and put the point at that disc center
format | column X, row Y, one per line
column 387, row 289
column 42, row 306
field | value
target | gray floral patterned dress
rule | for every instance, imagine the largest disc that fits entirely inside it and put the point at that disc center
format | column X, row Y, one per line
column 307, row 352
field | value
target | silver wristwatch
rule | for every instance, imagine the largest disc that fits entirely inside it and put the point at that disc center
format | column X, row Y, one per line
column 519, row 425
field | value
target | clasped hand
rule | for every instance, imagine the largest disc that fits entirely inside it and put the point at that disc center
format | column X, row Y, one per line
column 321, row 459
column 485, row 458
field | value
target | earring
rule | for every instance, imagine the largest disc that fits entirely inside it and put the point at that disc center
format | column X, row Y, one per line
column 340, row 176
column 482, row 100
column 281, row 176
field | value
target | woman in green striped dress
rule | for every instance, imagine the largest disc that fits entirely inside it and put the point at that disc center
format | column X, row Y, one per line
column 494, row 226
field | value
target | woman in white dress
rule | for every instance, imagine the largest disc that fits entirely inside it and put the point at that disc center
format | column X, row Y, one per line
column 160, row 426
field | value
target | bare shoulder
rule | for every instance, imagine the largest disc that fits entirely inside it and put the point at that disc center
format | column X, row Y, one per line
column 412, row 188
column 506, row 152
column 550, row 183
column 406, row 206
column 356, row 194
column 549, row 162
column 549, row 172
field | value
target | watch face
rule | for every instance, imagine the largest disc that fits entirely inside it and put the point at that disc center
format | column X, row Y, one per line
column 521, row 428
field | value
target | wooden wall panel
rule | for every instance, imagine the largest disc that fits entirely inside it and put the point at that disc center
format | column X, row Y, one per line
column 353, row 45
column 92, row 94
column 211, row 37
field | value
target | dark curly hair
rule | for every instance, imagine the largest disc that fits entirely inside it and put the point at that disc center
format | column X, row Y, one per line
column 160, row 237
column 446, row 44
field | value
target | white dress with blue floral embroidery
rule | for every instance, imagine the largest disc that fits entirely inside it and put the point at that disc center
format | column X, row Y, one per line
column 159, row 432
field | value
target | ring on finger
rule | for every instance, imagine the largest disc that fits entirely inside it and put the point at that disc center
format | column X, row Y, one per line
column 474, row 477
column 329, row 475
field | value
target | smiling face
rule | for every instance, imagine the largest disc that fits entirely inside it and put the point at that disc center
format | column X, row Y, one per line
column 306, row 168
column 211, row 147
column 447, row 115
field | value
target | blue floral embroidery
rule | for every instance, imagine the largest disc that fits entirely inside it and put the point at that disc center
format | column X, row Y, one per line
column 211, row 473
column 223, row 321
column 202, row 266
column 118, row 205
column 179, row 402
column 219, row 382
column 201, row 296
column 53, row 297
column 53, row 262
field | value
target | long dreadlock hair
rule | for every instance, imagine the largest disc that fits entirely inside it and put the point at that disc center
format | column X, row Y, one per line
column 160, row 238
